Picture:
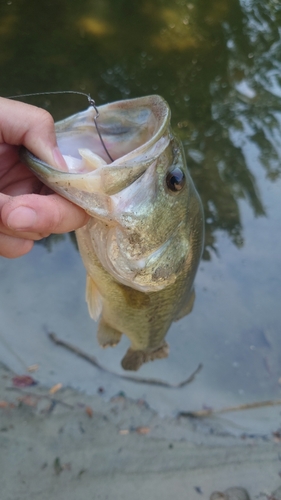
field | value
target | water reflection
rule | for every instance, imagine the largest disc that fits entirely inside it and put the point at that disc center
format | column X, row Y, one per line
column 216, row 64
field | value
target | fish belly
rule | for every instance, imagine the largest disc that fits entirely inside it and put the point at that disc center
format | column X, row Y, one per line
column 143, row 317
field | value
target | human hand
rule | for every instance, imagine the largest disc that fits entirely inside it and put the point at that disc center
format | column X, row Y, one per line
column 28, row 211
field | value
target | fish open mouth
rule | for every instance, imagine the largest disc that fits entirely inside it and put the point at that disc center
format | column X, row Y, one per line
column 126, row 128
column 135, row 133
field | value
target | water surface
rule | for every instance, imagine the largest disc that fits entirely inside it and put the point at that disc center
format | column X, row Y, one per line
column 218, row 66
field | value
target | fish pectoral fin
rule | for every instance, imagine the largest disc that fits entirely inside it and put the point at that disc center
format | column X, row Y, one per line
column 107, row 336
column 93, row 298
column 133, row 359
column 187, row 307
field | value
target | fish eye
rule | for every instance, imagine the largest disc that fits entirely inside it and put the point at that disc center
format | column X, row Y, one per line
column 175, row 180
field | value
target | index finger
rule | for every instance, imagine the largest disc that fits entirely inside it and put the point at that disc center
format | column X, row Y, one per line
column 32, row 127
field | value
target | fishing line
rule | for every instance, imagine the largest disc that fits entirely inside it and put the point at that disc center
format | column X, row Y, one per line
column 90, row 101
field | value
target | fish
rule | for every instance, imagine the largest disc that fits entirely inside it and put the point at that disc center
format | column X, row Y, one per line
column 143, row 242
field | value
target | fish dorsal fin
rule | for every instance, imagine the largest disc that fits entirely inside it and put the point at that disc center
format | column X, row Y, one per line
column 93, row 298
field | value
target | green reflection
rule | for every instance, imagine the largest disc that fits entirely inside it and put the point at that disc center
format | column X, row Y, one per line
column 217, row 64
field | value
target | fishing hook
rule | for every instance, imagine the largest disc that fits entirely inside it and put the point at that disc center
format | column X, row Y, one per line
column 92, row 103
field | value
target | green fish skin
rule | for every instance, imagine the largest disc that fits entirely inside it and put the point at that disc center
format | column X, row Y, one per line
column 142, row 245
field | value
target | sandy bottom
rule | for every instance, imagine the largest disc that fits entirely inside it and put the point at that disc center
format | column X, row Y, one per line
column 69, row 445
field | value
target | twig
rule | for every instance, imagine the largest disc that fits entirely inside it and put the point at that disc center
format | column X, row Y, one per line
column 228, row 409
column 137, row 380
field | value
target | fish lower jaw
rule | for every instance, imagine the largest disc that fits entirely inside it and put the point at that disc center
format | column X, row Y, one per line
column 137, row 274
column 145, row 275
column 143, row 283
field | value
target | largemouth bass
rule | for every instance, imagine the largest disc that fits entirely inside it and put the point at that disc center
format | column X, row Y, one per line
column 143, row 243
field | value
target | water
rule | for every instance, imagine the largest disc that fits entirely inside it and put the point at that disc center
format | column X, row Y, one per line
column 218, row 66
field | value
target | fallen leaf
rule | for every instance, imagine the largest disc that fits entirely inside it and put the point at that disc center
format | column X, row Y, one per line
column 55, row 388
column 89, row 411
column 4, row 404
column 123, row 432
column 32, row 368
column 23, row 381
column 143, row 430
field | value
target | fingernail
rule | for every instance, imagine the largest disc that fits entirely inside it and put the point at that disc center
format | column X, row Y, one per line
column 59, row 160
column 21, row 219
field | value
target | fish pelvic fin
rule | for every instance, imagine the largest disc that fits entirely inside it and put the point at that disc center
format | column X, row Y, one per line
column 93, row 298
column 107, row 336
column 134, row 359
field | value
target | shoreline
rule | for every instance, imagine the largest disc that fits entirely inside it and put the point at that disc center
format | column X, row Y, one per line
column 71, row 445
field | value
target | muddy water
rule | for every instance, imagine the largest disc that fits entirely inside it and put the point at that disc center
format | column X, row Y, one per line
column 218, row 66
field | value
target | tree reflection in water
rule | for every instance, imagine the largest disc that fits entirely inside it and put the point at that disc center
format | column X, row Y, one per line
column 217, row 64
